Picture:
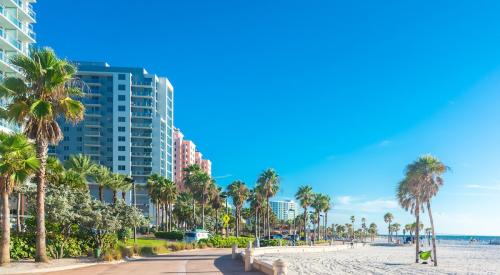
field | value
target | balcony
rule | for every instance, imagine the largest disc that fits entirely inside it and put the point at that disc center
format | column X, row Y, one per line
column 141, row 154
column 6, row 66
column 141, row 94
column 28, row 14
column 142, row 135
column 142, row 104
column 141, row 163
column 142, row 125
column 142, row 115
column 142, row 144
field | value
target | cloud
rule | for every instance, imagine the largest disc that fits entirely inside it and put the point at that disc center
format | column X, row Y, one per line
column 344, row 200
column 352, row 204
column 385, row 143
column 484, row 187
column 223, row 176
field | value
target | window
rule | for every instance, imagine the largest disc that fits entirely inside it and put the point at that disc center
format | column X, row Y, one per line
column 66, row 129
column 66, row 148
column 121, row 108
column 79, row 129
column 121, row 148
column 121, row 158
column 121, row 167
column 121, row 138
column 121, row 77
column 79, row 139
column 121, row 119
column 121, row 87
column 109, row 149
column 121, row 129
column 109, row 99
column 66, row 138
column 121, row 97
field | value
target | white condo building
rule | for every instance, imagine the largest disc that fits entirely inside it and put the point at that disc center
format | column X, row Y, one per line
column 284, row 209
column 16, row 37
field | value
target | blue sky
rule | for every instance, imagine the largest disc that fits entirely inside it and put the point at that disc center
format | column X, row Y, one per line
column 337, row 94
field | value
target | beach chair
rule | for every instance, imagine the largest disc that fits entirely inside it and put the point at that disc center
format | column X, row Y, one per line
column 425, row 256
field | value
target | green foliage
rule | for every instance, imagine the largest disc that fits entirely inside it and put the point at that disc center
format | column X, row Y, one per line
column 22, row 246
column 272, row 242
column 173, row 235
column 220, row 242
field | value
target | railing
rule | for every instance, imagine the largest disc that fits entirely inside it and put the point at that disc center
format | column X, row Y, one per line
column 140, row 154
column 141, row 104
column 141, row 144
column 142, row 125
column 142, row 114
column 135, row 135
column 141, row 163
column 142, row 93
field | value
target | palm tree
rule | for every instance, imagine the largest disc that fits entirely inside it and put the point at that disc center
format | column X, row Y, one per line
column 363, row 227
column 428, row 232
column 305, row 196
column 126, row 187
column 116, row 183
column 427, row 170
column 317, row 205
column 153, row 186
column 216, row 204
column 395, row 228
column 372, row 230
column 239, row 193
column 81, row 164
column 388, row 217
column 182, row 209
column 353, row 219
column 269, row 180
column 37, row 100
column 410, row 199
column 102, row 177
column 168, row 195
column 205, row 185
column 191, row 182
column 327, row 206
column 257, row 201
column 17, row 163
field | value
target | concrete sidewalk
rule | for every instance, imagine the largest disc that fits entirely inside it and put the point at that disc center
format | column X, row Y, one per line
column 203, row 261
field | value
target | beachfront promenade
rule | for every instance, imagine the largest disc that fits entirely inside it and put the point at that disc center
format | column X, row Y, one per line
column 206, row 261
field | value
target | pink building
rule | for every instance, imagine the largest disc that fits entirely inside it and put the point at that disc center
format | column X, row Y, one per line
column 185, row 154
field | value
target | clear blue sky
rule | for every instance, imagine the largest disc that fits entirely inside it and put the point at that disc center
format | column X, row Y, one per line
column 337, row 94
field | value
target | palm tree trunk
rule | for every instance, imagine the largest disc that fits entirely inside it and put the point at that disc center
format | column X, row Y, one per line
column 41, row 249
column 194, row 213
column 157, row 215
column 18, row 218
column 23, row 210
column 434, row 255
column 101, row 193
column 305, row 223
column 256, row 221
column 203, row 212
column 216, row 221
column 389, row 233
column 5, row 251
column 115, row 196
column 124, row 194
column 326, row 222
column 417, row 240
column 267, row 219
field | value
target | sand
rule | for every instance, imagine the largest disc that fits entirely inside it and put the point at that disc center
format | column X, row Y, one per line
column 380, row 259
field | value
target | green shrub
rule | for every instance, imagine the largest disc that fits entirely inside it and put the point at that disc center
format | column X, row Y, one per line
column 264, row 243
column 220, row 242
column 22, row 246
column 124, row 234
column 173, row 235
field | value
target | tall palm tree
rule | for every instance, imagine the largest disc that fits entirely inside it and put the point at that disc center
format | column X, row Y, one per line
column 427, row 170
column 191, row 182
column 168, row 196
column 153, row 188
column 81, row 164
column 363, row 227
column 353, row 219
column 37, row 100
column 372, row 230
column 216, row 203
column 17, row 163
column 239, row 192
column 115, row 184
column 269, row 180
column 305, row 196
column 409, row 198
column 257, row 201
column 395, row 228
column 126, row 186
column 388, row 217
column 205, row 184
column 102, row 176
column 327, row 206
column 317, row 205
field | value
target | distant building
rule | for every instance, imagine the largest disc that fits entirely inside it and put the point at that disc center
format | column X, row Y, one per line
column 16, row 37
column 128, row 125
column 284, row 209
column 185, row 155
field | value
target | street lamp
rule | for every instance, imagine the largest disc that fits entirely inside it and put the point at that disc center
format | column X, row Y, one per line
column 224, row 196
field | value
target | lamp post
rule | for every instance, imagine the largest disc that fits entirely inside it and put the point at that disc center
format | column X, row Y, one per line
column 224, row 196
column 134, row 203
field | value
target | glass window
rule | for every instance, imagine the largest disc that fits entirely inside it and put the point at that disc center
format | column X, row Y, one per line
column 121, row 87
column 121, row 97
column 121, row 108
column 121, row 167
column 121, row 119
column 121, row 77
column 121, row 129
column 121, row 158
column 121, row 138
column 121, row 148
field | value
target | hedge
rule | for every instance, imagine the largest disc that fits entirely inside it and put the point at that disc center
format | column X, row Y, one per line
column 220, row 242
column 173, row 235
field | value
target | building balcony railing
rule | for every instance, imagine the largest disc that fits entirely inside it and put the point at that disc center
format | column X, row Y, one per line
column 141, row 144
column 141, row 104
column 141, row 163
column 140, row 154
column 141, row 114
column 140, row 173
column 142, row 125
column 141, row 135
column 142, row 93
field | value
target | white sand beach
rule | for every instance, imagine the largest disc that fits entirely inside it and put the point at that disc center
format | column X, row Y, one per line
column 373, row 259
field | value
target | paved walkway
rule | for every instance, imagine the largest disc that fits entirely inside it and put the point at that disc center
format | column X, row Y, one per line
column 206, row 261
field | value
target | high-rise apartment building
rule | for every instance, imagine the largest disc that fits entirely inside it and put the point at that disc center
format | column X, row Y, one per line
column 16, row 36
column 284, row 209
column 128, row 125
column 185, row 154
